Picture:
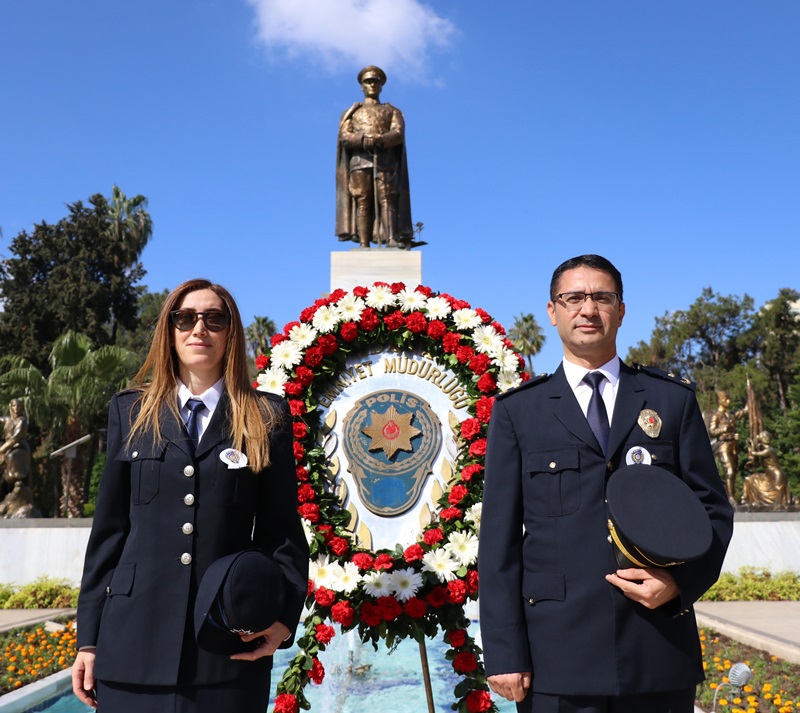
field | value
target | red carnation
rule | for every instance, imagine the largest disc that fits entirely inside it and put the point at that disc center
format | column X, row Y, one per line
column 360, row 291
column 487, row 383
column 310, row 511
column 369, row 320
column 413, row 553
column 464, row 353
column 255, row 384
column 301, row 473
column 479, row 701
column 305, row 493
column 313, row 356
column 292, row 388
column 451, row 342
column 324, row 633
column 483, row 314
column 423, row 289
column 297, row 407
column 342, row 613
column 483, row 408
column 328, row 344
column 390, row 608
column 337, row 294
column 479, row 363
column 465, row 662
column 472, row 581
column 317, row 672
column 415, row 608
column 299, row 451
column 394, row 320
column 456, row 591
column 363, row 561
column 436, row 329
column 326, row 531
column 370, row 614
column 457, row 638
column 470, row 471
column 437, row 597
column 324, row 597
column 286, row 703
column 339, row 546
column 397, row 287
column 416, row 322
column 276, row 339
column 500, row 330
column 349, row 331
column 478, row 448
column 451, row 514
column 289, row 326
column 262, row 362
column 307, row 315
column 303, row 375
column 433, row 536
column 457, row 494
column 525, row 376
column 470, row 428
column 299, row 429
column 458, row 304
column 383, row 561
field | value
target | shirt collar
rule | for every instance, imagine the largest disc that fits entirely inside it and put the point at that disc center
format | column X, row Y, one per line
column 210, row 397
column 575, row 373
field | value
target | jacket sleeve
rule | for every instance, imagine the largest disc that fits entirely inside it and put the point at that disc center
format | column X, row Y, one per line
column 110, row 528
column 278, row 529
column 503, row 626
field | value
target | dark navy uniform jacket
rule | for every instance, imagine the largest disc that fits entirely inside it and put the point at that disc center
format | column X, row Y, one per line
column 545, row 606
column 163, row 516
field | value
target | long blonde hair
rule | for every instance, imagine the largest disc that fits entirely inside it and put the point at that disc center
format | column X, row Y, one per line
column 252, row 418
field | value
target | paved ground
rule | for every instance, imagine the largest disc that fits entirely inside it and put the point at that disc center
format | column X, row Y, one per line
column 12, row 618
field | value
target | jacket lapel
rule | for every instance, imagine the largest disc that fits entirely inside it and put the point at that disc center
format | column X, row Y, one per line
column 568, row 411
column 629, row 402
column 217, row 429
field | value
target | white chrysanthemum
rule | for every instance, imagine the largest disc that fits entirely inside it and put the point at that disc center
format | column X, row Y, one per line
column 473, row 515
column 405, row 583
column 303, row 335
column 508, row 380
column 323, row 573
column 438, row 307
column 506, row 359
column 463, row 546
column 326, row 318
column 286, row 354
column 349, row 577
column 465, row 319
column 411, row 300
column 377, row 584
column 486, row 339
column 350, row 307
column 273, row 380
column 308, row 530
column 381, row 297
column 441, row 564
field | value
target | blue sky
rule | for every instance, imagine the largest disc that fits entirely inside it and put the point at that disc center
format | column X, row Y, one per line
column 664, row 135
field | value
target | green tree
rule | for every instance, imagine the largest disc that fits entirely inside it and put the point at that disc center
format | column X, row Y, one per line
column 527, row 336
column 138, row 340
column 258, row 335
column 70, row 402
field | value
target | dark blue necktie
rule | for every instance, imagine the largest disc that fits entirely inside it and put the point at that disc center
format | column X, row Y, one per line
column 192, row 425
column 596, row 414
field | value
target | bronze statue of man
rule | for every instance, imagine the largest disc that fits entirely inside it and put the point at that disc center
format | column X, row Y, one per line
column 373, row 204
column 726, row 446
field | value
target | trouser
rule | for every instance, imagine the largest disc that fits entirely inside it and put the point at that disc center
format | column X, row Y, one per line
column 663, row 702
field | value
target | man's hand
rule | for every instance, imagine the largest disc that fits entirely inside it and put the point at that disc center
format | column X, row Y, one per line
column 650, row 587
column 83, row 678
column 511, row 686
column 271, row 639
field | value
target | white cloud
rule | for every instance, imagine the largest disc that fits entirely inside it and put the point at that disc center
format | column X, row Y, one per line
column 397, row 35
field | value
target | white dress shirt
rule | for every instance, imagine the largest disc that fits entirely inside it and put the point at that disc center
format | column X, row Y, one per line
column 210, row 398
column 582, row 390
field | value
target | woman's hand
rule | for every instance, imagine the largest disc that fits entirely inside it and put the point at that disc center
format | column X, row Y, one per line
column 83, row 678
column 271, row 639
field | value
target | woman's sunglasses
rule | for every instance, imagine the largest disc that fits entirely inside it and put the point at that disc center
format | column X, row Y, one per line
column 184, row 319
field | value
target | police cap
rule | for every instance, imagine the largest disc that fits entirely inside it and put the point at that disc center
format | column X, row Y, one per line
column 372, row 72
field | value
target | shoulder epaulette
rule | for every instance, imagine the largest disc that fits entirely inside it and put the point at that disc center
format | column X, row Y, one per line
column 533, row 381
column 667, row 376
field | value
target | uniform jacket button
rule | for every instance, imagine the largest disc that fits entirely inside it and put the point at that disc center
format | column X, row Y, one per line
column 552, row 465
column 135, row 454
column 186, row 558
column 188, row 499
column 188, row 471
column 188, row 528
column 531, row 601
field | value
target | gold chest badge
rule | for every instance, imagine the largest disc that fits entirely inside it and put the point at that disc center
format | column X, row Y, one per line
column 650, row 422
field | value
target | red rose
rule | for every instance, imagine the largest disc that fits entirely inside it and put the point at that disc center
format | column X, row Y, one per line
column 413, row 553
column 324, row 597
column 500, row 330
column 415, row 608
column 479, row 363
column 310, row 511
column 485, row 318
column 416, row 322
column 479, row 701
column 397, row 287
column 299, row 429
column 433, row 536
column 436, row 329
column 286, row 703
column 464, row 353
column 339, row 546
column 342, row 613
column 487, row 383
column 457, row 494
column 472, row 581
column 324, row 633
column 297, row 407
column 360, row 291
column 370, row 614
column 465, row 662
column 262, row 362
column 483, row 408
column 457, row 638
column 470, row 428
column 478, row 448
column 349, row 331
column 317, row 672
column 456, row 591
column 470, row 471
column 390, row 608
column 383, row 561
column 369, row 321
column 437, row 597
column 289, row 326
column 292, row 388
column 299, row 451
column 394, row 320
column 276, row 339
column 363, row 561
column 422, row 289
column 301, row 473
column 451, row 342
column 305, row 493
column 303, row 375
column 451, row 514
column 328, row 344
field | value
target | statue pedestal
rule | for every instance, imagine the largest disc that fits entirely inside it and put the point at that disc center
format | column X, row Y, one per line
column 363, row 266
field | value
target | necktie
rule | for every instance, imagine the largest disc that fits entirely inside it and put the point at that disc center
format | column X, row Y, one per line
column 596, row 414
column 192, row 426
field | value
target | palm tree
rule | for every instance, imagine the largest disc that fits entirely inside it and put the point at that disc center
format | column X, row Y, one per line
column 258, row 335
column 527, row 336
column 71, row 401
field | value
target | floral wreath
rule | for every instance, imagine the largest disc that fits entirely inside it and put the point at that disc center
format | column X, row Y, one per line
column 401, row 593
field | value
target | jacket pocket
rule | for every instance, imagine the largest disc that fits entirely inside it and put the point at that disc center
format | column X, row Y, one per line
column 552, row 483
column 145, row 465
column 662, row 453
column 121, row 581
column 542, row 586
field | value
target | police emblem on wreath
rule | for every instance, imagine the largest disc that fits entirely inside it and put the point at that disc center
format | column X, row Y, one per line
column 391, row 439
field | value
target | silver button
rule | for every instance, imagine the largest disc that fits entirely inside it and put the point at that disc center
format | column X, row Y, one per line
column 188, row 528
column 188, row 471
column 186, row 558
column 552, row 465
column 188, row 499
column 135, row 454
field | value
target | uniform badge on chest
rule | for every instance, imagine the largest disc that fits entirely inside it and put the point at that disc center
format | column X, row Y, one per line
column 638, row 456
column 650, row 422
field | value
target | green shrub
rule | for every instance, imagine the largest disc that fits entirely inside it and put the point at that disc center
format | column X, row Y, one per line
column 752, row 584
column 43, row 593
column 6, row 590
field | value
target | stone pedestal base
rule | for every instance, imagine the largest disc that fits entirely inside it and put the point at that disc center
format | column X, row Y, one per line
column 363, row 266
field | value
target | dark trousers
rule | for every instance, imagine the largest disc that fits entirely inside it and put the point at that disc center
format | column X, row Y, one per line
column 664, row 702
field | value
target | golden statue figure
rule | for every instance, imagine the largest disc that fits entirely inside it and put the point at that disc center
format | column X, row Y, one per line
column 726, row 444
column 770, row 487
column 15, row 451
column 372, row 197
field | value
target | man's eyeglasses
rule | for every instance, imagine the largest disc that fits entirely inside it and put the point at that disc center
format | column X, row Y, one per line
column 184, row 319
column 573, row 301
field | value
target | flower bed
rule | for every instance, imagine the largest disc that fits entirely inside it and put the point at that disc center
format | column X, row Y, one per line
column 26, row 655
